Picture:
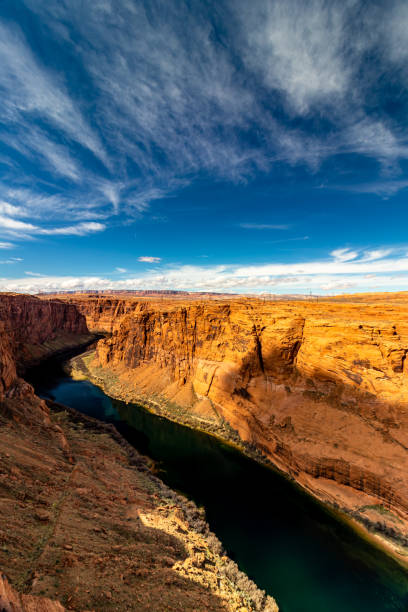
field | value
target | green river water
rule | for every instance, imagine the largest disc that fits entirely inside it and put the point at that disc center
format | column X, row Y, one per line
column 286, row 542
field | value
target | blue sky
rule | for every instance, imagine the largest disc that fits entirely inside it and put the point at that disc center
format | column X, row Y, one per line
column 204, row 145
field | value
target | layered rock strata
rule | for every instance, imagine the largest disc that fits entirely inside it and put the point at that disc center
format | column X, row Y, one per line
column 321, row 389
column 31, row 329
column 85, row 523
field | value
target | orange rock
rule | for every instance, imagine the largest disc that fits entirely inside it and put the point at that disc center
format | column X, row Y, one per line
column 321, row 388
column 11, row 601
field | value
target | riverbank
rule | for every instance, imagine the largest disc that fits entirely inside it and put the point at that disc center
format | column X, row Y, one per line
column 61, row 345
column 114, row 385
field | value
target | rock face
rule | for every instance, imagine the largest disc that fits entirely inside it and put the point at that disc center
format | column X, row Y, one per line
column 320, row 388
column 30, row 329
column 89, row 526
column 11, row 601
column 104, row 314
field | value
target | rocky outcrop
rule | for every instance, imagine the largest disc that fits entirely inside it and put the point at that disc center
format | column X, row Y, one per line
column 102, row 314
column 94, row 529
column 31, row 329
column 320, row 388
column 11, row 601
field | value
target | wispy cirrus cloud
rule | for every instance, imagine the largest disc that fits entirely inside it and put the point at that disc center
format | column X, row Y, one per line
column 30, row 90
column 299, row 49
column 38, row 147
column 176, row 91
column 11, row 260
column 344, row 254
column 264, row 226
column 148, row 259
column 81, row 229
column 383, row 188
column 12, row 225
column 133, row 106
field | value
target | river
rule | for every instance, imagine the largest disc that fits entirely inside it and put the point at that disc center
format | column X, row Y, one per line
column 289, row 544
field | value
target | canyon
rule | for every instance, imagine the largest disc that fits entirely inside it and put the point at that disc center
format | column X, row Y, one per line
column 86, row 523
column 317, row 389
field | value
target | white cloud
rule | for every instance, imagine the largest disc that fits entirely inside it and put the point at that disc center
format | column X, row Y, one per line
column 282, row 240
column 299, row 49
column 344, row 254
column 338, row 285
column 326, row 275
column 147, row 259
column 11, row 260
column 7, row 245
column 37, row 146
column 23, row 229
column 32, row 90
column 168, row 103
column 15, row 226
column 121, row 270
column 376, row 254
column 81, row 229
column 384, row 188
column 375, row 139
column 47, row 206
column 263, row 226
column 10, row 210
column 395, row 29
column 112, row 193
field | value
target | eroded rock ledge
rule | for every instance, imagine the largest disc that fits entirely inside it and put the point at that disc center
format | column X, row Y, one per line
column 320, row 389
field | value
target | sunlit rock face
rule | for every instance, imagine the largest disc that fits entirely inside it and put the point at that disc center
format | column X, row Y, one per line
column 320, row 388
column 31, row 329
column 11, row 601
column 89, row 526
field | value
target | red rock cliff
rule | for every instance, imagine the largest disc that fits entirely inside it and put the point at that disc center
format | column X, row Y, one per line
column 85, row 522
column 30, row 328
column 322, row 389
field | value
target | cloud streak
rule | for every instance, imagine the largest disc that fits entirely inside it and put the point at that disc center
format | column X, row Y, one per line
column 111, row 107
column 31, row 90
column 170, row 102
column 263, row 226
column 12, row 226
column 147, row 259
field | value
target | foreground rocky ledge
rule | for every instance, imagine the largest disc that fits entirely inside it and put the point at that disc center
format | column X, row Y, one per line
column 91, row 526
column 319, row 390
column 11, row 601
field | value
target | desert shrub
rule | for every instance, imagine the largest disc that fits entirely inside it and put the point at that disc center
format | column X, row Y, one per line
column 214, row 544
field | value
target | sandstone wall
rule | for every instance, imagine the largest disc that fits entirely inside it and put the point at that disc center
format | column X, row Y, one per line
column 103, row 314
column 30, row 328
column 321, row 388
column 88, row 524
